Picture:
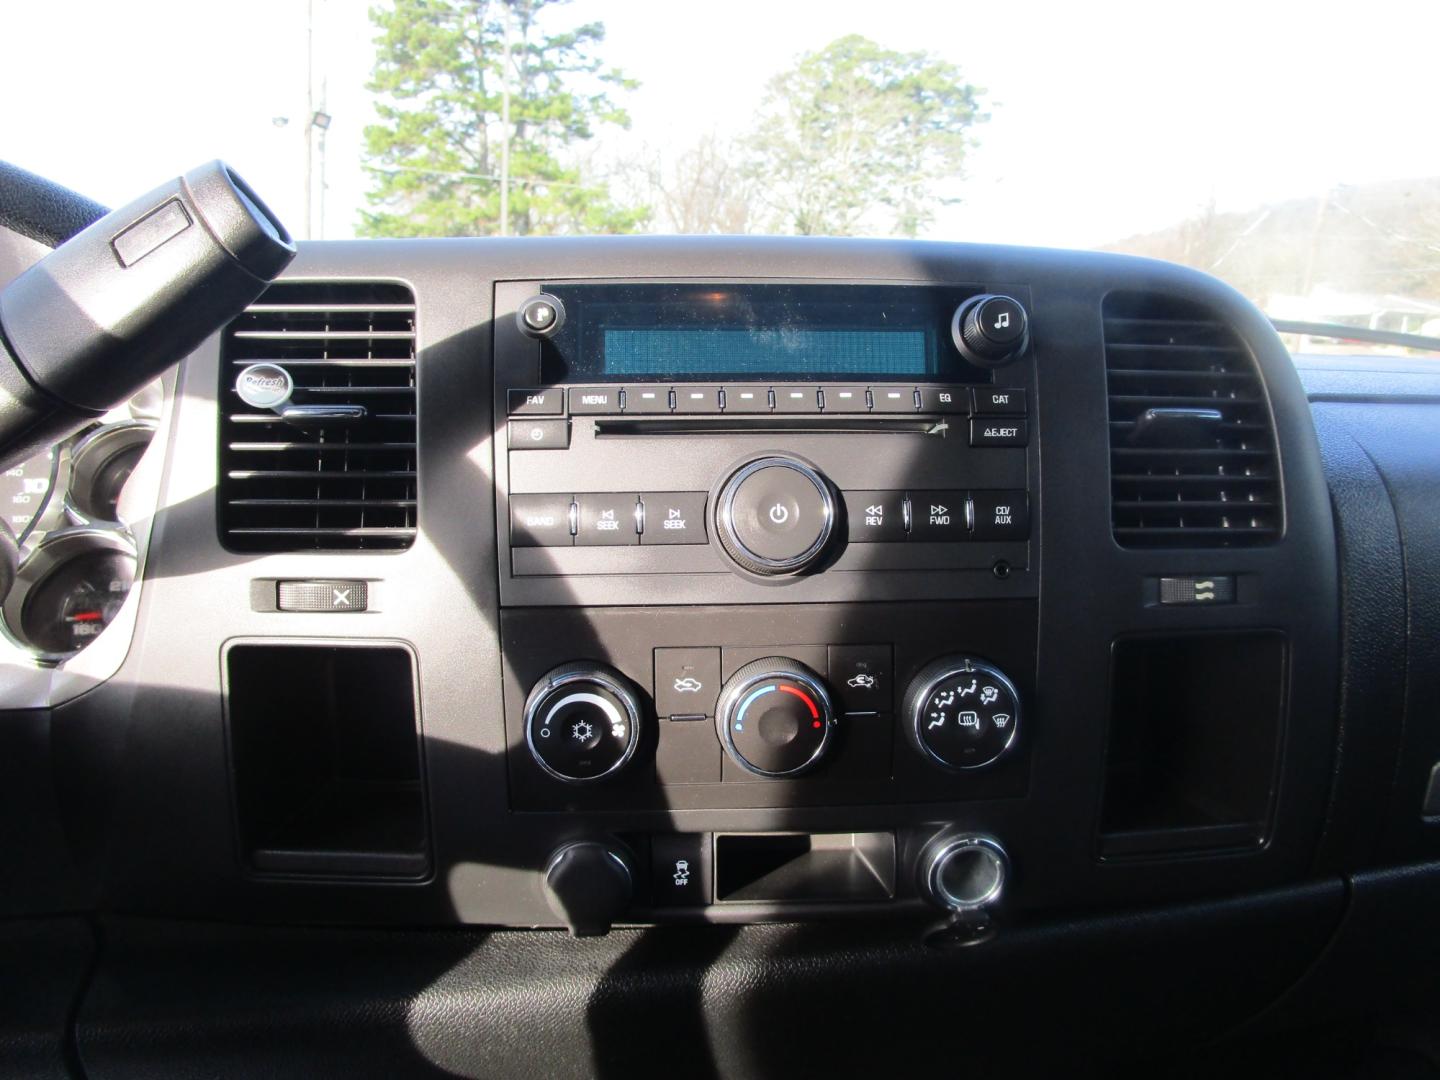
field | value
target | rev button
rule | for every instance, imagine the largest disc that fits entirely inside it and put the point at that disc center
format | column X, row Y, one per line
column 875, row 516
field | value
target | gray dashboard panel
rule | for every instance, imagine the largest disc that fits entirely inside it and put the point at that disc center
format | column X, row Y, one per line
column 148, row 748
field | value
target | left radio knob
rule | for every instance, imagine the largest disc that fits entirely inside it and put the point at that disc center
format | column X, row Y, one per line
column 582, row 722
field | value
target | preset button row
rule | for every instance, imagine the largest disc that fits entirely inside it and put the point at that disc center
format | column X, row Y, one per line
column 607, row 519
column 701, row 400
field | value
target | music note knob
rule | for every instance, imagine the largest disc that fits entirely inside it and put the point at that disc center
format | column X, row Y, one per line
column 990, row 330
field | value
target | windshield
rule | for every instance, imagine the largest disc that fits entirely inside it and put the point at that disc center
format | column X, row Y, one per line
column 1284, row 148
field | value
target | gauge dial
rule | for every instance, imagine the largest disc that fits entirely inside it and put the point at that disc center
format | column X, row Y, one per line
column 25, row 491
column 100, row 465
column 69, row 589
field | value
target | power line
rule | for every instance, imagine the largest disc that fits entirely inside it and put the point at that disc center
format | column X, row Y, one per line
column 489, row 177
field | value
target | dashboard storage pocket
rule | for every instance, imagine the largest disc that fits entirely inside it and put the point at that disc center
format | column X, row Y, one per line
column 1195, row 735
column 325, row 760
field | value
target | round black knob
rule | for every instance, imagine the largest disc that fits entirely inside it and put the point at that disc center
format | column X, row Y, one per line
column 775, row 717
column 963, row 872
column 774, row 516
column 540, row 316
column 962, row 713
column 588, row 885
column 990, row 330
column 582, row 722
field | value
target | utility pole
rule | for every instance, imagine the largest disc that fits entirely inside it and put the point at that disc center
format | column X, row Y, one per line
column 324, row 126
column 505, row 121
column 309, row 109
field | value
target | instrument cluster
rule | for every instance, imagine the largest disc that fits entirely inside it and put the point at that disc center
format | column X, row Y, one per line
column 77, row 557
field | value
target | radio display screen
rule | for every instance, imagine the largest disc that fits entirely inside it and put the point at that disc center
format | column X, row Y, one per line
column 755, row 332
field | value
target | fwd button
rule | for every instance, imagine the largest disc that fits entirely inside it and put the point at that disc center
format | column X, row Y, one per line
column 938, row 515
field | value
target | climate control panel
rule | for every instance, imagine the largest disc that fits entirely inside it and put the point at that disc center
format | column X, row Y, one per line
column 730, row 707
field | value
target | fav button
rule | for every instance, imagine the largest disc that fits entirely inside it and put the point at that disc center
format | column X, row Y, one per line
column 674, row 517
column 606, row 520
column 546, row 402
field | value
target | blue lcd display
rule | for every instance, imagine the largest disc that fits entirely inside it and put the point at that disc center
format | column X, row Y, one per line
column 764, row 353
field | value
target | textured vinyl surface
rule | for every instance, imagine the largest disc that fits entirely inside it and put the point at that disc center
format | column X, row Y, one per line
column 778, row 1000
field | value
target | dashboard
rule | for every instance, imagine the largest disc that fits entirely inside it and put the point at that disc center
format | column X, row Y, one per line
column 628, row 555
column 636, row 582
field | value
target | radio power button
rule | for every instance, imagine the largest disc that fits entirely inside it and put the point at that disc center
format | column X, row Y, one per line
column 774, row 516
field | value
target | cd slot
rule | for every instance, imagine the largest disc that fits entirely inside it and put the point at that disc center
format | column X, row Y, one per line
column 749, row 425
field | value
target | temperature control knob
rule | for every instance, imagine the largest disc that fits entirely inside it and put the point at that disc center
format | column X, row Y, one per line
column 582, row 722
column 990, row 330
column 962, row 713
column 775, row 718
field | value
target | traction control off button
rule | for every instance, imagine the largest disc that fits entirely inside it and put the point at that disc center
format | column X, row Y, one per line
column 322, row 596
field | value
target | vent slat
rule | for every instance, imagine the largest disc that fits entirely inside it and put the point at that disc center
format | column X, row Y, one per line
column 1172, row 485
column 314, row 447
column 402, row 531
column 322, row 503
column 322, row 335
column 334, row 362
column 362, row 309
column 327, row 486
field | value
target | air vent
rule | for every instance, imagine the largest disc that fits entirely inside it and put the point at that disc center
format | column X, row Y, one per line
column 1192, row 443
column 322, row 484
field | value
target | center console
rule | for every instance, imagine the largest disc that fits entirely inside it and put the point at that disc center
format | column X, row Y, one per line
column 764, row 545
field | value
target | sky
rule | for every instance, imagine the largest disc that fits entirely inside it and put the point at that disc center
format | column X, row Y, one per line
column 1108, row 119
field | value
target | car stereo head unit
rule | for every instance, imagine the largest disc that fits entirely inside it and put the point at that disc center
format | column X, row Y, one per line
column 702, row 442
column 748, row 332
